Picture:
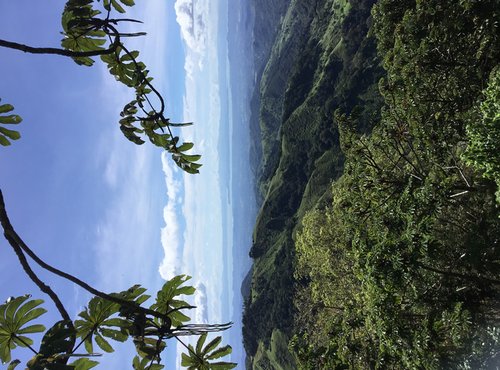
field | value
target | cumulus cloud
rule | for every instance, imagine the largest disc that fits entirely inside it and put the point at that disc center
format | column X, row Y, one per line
column 171, row 237
column 192, row 16
column 200, row 301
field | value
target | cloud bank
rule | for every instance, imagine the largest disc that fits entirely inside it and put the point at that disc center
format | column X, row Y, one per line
column 192, row 17
column 171, row 237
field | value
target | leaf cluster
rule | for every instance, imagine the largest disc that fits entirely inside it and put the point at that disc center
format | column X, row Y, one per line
column 201, row 356
column 89, row 31
column 8, row 119
column 101, row 323
column 86, row 32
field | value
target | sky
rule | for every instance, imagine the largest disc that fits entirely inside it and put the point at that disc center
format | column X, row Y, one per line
column 99, row 207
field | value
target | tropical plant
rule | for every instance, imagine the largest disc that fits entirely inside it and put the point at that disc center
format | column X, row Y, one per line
column 200, row 357
column 108, row 317
column 89, row 31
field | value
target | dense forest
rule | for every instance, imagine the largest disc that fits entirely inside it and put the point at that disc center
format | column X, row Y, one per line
column 378, row 158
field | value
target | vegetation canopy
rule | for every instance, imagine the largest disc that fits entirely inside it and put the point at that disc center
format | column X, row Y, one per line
column 376, row 245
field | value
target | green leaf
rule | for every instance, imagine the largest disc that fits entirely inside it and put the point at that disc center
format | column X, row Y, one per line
column 187, row 360
column 117, row 6
column 57, row 366
column 4, row 108
column 178, row 316
column 116, row 322
column 84, row 364
column 14, row 315
column 89, row 347
column 156, row 367
column 185, row 147
column 32, row 329
column 60, row 338
column 145, row 364
column 10, row 119
column 212, row 345
column 220, row 352
column 99, row 319
column 22, row 341
column 13, row 364
column 199, row 358
column 11, row 134
column 222, row 365
column 191, row 158
column 114, row 334
column 186, row 290
column 146, row 347
column 29, row 312
column 201, row 342
column 4, row 141
column 166, row 302
column 103, row 343
column 130, row 56
column 5, row 352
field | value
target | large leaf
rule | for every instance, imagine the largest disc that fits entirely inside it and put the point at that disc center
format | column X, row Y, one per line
column 220, row 352
column 199, row 357
column 166, row 302
column 14, row 315
column 99, row 320
column 81, row 31
column 60, row 338
column 13, row 365
column 84, row 364
column 8, row 119
column 149, row 348
column 145, row 364
column 222, row 365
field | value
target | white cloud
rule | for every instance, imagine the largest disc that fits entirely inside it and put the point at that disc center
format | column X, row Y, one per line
column 200, row 301
column 127, row 234
column 192, row 18
column 171, row 238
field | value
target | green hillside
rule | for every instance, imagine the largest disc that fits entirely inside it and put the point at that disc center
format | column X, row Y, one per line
column 376, row 245
column 318, row 63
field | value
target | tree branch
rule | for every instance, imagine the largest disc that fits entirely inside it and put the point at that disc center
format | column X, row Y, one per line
column 20, row 246
column 458, row 275
column 7, row 226
column 62, row 52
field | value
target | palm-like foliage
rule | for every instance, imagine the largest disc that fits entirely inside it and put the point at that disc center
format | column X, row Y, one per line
column 85, row 32
column 10, row 119
column 97, row 323
column 201, row 357
column 167, row 303
column 15, row 314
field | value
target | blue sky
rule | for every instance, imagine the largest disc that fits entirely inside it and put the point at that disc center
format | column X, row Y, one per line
column 92, row 203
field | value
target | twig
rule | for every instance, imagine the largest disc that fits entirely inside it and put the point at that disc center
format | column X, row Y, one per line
column 62, row 52
column 18, row 244
column 5, row 222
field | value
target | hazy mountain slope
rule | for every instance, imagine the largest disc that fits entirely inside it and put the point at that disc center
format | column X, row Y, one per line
column 321, row 60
